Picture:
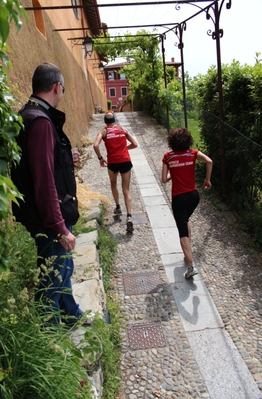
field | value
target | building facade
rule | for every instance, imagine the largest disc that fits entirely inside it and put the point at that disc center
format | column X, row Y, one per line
column 56, row 34
column 117, row 87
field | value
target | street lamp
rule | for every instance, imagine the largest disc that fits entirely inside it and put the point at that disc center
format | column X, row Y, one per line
column 101, row 67
column 88, row 45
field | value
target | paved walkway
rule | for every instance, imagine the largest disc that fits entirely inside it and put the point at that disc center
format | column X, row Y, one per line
column 175, row 343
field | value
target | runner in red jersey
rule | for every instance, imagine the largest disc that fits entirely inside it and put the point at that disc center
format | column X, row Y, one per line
column 116, row 140
column 179, row 167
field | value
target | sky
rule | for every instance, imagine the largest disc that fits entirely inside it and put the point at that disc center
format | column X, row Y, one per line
column 241, row 24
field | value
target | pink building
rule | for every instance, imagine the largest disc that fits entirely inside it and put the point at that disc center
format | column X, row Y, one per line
column 117, row 85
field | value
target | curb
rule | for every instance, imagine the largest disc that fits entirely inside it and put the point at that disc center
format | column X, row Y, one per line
column 87, row 284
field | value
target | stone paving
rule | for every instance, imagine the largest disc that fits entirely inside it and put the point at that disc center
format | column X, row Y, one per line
column 231, row 272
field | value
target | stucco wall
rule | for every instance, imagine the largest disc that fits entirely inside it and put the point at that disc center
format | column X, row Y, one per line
column 29, row 48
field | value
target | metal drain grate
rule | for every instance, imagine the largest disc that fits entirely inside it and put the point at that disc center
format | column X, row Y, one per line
column 145, row 336
column 142, row 282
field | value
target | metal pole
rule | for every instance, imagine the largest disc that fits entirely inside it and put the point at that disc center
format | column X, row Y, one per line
column 216, row 35
column 221, row 108
column 140, row 3
column 179, row 33
column 164, row 67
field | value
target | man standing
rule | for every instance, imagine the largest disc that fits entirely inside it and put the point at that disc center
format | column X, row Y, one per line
column 45, row 177
column 115, row 138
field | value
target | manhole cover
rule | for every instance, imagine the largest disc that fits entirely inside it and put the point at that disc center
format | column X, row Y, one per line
column 142, row 282
column 145, row 336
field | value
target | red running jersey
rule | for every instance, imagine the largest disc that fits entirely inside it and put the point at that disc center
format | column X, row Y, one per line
column 181, row 165
column 116, row 145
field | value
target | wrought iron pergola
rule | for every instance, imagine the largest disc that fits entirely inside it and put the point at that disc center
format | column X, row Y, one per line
column 212, row 10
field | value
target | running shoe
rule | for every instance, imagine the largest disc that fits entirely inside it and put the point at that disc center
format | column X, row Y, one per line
column 191, row 271
column 129, row 224
column 118, row 210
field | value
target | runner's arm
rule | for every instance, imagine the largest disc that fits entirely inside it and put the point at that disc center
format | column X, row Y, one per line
column 96, row 144
column 133, row 142
column 209, row 166
column 165, row 173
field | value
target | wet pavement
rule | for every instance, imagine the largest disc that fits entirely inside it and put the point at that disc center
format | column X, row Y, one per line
column 197, row 338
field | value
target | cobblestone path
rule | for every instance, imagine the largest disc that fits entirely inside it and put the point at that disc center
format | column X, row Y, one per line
column 231, row 271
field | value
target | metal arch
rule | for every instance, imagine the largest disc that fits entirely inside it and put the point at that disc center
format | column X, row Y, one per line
column 179, row 29
column 115, row 27
column 217, row 12
column 217, row 34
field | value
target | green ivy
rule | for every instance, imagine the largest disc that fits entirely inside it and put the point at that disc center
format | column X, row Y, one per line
column 10, row 121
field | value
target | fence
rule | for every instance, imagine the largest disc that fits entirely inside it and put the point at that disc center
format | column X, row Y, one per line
column 237, row 171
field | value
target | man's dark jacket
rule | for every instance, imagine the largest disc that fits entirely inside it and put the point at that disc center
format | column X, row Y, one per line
column 27, row 212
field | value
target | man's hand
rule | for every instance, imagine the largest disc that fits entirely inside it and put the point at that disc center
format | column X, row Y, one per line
column 68, row 242
column 76, row 157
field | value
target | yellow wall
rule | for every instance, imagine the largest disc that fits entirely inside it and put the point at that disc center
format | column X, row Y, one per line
column 31, row 46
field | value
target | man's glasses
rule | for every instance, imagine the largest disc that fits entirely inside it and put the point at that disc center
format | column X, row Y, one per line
column 63, row 87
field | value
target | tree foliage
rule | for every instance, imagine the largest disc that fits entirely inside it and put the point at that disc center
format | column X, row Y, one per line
column 10, row 122
column 145, row 74
column 242, row 105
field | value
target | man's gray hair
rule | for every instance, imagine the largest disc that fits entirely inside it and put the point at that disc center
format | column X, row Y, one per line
column 45, row 76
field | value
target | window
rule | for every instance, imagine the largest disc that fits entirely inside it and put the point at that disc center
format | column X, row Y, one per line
column 112, row 92
column 74, row 4
column 39, row 19
column 110, row 75
column 122, row 76
column 124, row 91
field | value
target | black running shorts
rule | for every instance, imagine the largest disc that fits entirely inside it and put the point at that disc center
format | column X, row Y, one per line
column 122, row 167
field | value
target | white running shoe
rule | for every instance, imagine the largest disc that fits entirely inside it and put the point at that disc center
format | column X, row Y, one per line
column 191, row 271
